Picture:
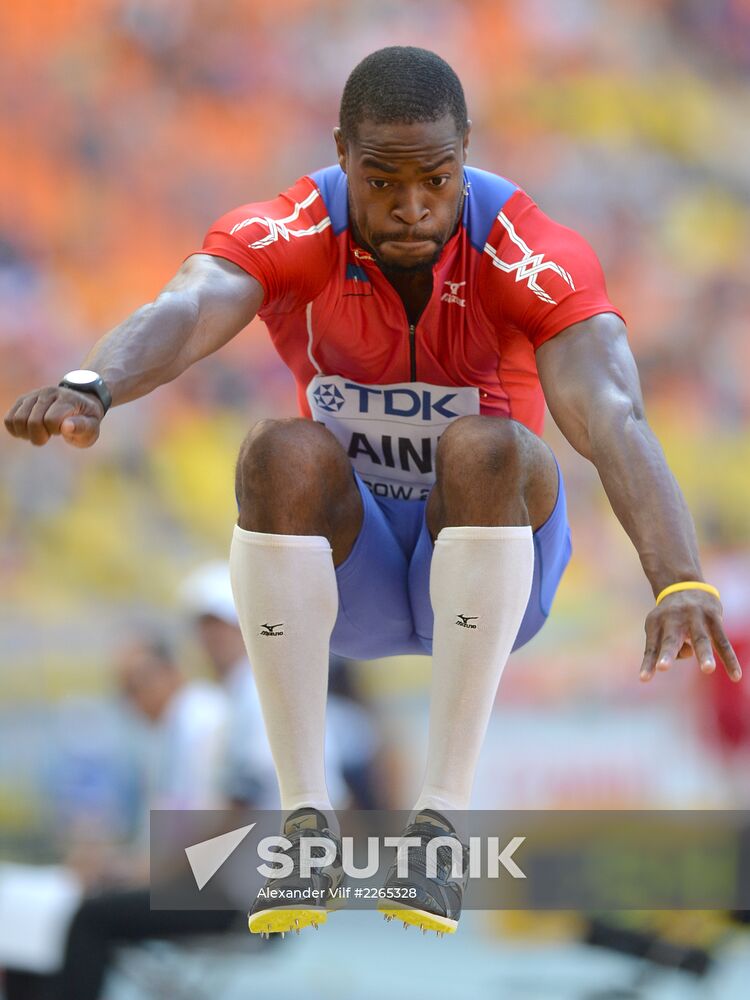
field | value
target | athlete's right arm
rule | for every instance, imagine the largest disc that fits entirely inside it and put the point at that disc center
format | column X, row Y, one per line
column 206, row 304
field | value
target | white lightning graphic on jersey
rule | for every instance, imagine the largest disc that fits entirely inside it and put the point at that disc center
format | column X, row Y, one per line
column 278, row 228
column 530, row 264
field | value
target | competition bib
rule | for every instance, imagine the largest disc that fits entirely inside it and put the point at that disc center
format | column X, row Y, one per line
column 390, row 432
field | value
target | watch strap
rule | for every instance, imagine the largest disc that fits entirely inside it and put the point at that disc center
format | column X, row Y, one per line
column 96, row 388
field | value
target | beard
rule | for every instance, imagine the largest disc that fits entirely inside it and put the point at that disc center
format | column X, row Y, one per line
column 418, row 267
column 397, row 268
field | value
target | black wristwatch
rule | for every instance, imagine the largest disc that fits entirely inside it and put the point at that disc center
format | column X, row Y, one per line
column 83, row 380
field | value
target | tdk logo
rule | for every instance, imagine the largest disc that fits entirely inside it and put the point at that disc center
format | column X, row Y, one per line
column 328, row 398
column 400, row 402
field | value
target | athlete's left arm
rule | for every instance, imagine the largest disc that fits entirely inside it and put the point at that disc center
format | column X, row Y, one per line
column 593, row 391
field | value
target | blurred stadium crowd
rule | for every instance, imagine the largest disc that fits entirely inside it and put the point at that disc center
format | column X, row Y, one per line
column 127, row 126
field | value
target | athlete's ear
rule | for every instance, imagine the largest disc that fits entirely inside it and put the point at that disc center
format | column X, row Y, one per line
column 467, row 133
column 340, row 147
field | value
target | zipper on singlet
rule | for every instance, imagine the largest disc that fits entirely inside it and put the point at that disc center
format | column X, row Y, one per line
column 413, row 352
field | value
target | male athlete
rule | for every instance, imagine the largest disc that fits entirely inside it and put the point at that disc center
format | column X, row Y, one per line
column 427, row 309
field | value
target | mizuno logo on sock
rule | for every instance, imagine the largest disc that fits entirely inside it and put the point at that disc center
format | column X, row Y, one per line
column 271, row 629
column 464, row 620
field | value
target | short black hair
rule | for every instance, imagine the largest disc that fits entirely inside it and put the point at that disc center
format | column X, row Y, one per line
column 401, row 84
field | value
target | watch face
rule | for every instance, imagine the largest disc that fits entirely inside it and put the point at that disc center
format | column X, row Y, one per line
column 81, row 376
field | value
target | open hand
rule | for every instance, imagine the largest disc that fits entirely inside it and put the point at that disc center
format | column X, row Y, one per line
column 687, row 623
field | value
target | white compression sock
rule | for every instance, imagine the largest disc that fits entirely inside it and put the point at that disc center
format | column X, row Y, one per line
column 480, row 581
column 287, row 601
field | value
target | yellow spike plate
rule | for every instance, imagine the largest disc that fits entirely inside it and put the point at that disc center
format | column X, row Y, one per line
column 276, row 920
column 418, row 918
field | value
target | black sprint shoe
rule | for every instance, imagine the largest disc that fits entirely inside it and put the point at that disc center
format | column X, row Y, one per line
column 432, row 904
column 293, row 902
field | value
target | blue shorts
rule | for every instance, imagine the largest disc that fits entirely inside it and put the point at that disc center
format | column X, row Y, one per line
column 384, row 582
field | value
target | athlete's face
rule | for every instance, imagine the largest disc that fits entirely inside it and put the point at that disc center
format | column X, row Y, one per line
column 405, row 189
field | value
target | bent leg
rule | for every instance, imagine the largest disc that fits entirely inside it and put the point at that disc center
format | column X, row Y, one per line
column 294, row 478
column 299, row 511
column 112, row 918
column 491, row 471
column 496, row 482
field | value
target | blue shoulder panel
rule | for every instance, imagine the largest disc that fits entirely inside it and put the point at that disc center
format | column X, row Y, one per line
column 331, row 182
column 487, row 195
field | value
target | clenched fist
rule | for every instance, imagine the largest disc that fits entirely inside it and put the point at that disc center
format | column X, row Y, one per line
column 39, row 415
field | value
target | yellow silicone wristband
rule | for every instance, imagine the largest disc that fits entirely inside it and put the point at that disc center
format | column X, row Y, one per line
column 687, row 585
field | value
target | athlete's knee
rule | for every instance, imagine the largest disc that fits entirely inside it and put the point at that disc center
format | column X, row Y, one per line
column 483, row 448
column 291, row 470
column 289, row 448
column 492, row 470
